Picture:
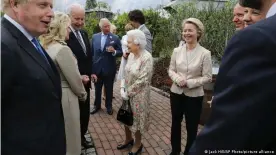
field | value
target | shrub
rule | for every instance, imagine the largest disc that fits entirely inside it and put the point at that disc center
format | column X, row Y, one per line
column 91, row 24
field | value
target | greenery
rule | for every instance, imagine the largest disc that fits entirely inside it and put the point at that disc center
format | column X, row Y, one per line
column 90, row 4
column 91, row 19
column 104, row 5
column 166, row 31
column 91, row 24
column 217, row 22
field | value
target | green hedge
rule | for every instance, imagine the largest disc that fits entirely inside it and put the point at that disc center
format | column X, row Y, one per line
column 167, row 31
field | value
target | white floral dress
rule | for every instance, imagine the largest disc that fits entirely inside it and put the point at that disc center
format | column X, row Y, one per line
column 138, row 73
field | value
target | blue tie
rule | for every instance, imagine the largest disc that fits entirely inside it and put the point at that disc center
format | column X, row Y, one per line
column 39, row 48
column 103, row 40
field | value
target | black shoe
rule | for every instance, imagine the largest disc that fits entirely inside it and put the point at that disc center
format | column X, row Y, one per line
column 138, row 151
column 110, row 112
column 124, row 146
column 86, row 144
column 95, row 110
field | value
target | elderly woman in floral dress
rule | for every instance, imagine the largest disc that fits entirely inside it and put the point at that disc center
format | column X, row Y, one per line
column 136, row 88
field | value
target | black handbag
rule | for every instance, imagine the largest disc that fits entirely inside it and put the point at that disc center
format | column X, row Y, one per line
column 125, row 114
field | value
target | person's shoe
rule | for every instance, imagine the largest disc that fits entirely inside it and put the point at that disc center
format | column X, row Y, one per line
column 110, row 112
column 139, row 151
column 95, row 110
column 124, row 146
column 85, row 144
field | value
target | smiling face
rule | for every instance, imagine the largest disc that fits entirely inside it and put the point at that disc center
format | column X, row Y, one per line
column 34, row 15
column 190, row 33
column 238, row 17
column 252, row 16
column 132, row 47
column 77, row 17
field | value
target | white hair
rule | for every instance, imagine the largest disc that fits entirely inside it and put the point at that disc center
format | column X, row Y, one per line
column 139, row 38
column 102, row 20
column 72, row 6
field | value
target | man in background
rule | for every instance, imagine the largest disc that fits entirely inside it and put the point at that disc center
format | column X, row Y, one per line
column 80, row 46
column 105, row 48
column 238, row 13
column 138, row 20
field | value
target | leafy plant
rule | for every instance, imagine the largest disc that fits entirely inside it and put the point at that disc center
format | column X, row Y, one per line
column 90, row 4
column 91, row 24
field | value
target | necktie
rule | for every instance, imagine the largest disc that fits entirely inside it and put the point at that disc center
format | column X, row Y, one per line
column 39, row 48
column 80, row 41
column 103, row 40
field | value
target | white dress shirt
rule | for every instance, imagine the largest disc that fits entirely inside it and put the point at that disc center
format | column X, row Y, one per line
column 20, row 28
column 74, row 31
column 271, row 11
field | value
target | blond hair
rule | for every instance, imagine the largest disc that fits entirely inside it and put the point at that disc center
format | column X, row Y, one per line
column 129, row 27
column 6, row 3
column 113, row 28
column 198, row 24
column 57, row 30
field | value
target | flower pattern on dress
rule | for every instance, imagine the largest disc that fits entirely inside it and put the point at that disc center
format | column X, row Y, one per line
column 138, row 73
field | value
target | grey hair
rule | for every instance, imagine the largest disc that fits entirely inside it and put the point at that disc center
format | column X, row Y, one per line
column 72, row 6
column 103, row 20
column 139, row 38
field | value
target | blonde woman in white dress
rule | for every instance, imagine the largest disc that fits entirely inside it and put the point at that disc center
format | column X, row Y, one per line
column 71, row 80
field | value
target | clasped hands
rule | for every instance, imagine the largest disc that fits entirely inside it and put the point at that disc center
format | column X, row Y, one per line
column 85, row 78
column 181, row 82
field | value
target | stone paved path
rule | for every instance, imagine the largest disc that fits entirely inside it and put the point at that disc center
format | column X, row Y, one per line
column 107, row 133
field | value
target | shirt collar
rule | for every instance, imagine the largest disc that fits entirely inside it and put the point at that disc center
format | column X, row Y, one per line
column 141, row 26
column 104, row 34
column 271, row 11
column 73, row 30
column 21, row 28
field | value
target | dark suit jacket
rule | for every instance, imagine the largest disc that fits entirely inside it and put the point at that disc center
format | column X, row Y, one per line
column 85, row 61
column 243, row 109
column 32, row 119
column 104, row 62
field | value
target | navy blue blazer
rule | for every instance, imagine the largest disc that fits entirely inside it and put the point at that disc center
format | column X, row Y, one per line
column 105, row 62
column 243, row 109
column 32, row 119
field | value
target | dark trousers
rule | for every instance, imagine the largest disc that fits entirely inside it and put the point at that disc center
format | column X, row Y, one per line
column 84, row 113
column 108, row 82
column 191, row 108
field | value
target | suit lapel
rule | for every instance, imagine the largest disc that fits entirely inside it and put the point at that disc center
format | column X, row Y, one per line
column 100, row 42
column 29, row 48
column 107, row 41
column 76, row 41
column 194, row 54
column 39, row 59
